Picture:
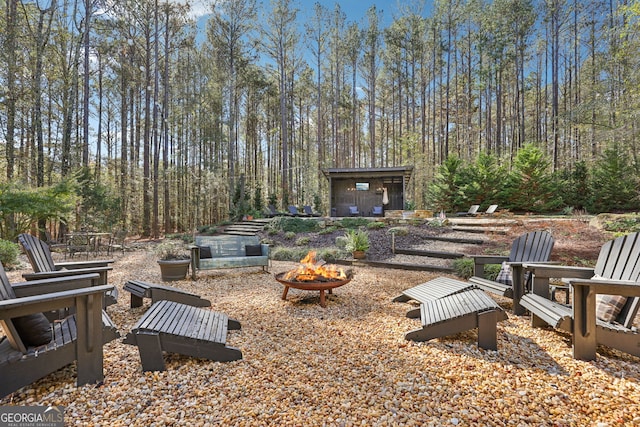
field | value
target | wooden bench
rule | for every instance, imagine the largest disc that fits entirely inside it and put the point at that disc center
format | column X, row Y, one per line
column 227, row 251
column 156, row 292
column 433, row 289
column 178, row 328
column 458, row 313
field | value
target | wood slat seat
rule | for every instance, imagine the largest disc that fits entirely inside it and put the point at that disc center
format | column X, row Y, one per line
column 531, row 247
column 431, row 290
column 179, row 328
column 157, row 292
column 458, row 313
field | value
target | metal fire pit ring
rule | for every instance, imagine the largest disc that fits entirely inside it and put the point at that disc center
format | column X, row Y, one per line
column 311, row 286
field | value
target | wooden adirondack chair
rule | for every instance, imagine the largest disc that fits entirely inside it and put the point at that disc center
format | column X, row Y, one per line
column 44, row 267
column 25, row 354
column 531, row 247
column 617, row 269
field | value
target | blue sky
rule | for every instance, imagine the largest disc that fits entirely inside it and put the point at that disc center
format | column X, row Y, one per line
column 355, row 10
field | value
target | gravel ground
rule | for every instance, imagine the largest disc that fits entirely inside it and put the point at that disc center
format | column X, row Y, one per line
column 345, row 365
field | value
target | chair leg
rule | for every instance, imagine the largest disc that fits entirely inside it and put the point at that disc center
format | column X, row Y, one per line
column 487, row 330
column 150, row 351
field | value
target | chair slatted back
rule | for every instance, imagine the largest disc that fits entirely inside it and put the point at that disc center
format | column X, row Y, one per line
column 473, row 209
column 619, row 259
column 535, row 246
column 38, row 253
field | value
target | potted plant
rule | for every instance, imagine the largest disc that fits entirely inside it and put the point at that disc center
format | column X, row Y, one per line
column 174, row 260
column 357, row 242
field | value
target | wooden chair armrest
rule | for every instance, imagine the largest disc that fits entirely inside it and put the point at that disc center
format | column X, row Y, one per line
column 56, row 284
column 64, row 273
column 50, row 301
column 70, row 265
column 489, row 259
column 551, row 270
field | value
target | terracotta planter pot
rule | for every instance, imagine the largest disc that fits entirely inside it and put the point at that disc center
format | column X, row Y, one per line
column 359, row 254
column 171, row 270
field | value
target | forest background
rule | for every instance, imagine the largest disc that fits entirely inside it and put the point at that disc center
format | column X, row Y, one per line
column 126, row 114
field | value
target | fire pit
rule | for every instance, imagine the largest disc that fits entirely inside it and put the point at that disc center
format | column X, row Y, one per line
column 314, row 276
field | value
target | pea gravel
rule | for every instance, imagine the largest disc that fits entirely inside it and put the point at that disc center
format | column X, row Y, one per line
column 346, row 365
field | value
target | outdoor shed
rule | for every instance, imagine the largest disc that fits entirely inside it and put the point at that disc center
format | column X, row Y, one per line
column 366, row 188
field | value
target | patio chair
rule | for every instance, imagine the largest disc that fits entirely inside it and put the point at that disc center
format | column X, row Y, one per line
column 273, row 212
column 295, row 212
column 34, row 347
column 618, row 264
column 377, row 211
column 490, row 210
column 473, row 210
column 533, row 247
column 184, row 329
column 307, row 209
column 44, row 267
column 353, row 211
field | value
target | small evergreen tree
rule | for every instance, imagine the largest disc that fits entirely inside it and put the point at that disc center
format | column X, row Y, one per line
column 444, row 192
column 531, row 186
column 614, row 183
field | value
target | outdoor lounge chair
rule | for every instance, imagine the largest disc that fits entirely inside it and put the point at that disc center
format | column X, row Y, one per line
column 433, row 289
column 33, row 347
column 617, row 267
column 473, row 210
column 533, row 247
column 490, row 210
column 307, row 209
column 44, row 267
column 460, row 312
column 377, row 211
column 179, row 328
column 295, row 212
column 353, row 211
column 273, row 212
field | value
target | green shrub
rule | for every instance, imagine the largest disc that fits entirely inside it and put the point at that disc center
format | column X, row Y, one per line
column 354, row 222
column 289, row 235
column 399, row 231
column 464, row 268
column 208, row 229
column 8, row 253
column 341, row 242
column 332, row 254
column 296, row 225
column 302, row 241
column 376, row 224
column 328, row 230
column 357, row 240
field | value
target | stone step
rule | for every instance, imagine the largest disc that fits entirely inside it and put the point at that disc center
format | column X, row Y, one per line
column 480, row 230
column 433, row 254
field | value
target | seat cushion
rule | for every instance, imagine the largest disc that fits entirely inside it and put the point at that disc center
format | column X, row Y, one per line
column 608, row 307
column 504, row 275
column 34, row 329
column 205, row 252
column 253, row 250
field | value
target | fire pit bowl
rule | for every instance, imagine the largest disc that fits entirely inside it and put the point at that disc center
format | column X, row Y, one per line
column 321, row 285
